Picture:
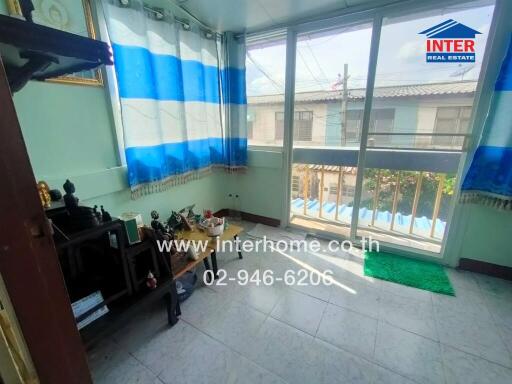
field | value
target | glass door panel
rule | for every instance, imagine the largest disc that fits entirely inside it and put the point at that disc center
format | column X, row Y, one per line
column 330, row 81
column 418, row 124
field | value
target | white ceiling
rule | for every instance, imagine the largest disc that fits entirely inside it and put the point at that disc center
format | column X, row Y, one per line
column 243, row 15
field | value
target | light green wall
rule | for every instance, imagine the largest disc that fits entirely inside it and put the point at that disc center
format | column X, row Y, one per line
column 67, row 128
column 261, row 188
column 488, row 235
column 68, row 132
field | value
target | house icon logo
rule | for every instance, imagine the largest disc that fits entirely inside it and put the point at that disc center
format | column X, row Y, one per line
column 450, row 42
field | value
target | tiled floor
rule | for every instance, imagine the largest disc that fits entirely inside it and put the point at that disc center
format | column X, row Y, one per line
column 359, row 330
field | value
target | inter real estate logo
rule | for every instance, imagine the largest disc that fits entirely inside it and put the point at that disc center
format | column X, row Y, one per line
column 450, row 42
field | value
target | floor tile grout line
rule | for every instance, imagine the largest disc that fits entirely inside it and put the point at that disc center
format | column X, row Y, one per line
column 498, row 326
column 368, row 360
column 321, row 319
column 234, row 351
column 441, row 349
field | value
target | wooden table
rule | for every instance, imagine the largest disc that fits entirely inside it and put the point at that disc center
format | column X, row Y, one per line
column 231, row 232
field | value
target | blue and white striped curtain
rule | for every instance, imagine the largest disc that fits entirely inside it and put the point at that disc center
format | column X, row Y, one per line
column 180, row 97
column 489, row 178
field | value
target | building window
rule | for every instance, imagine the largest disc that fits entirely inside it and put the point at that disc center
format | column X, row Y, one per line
column 451, row 120
column 302, row 126
column 333, row 189
column 353, row 129
column 348, row 190
column 381, row 121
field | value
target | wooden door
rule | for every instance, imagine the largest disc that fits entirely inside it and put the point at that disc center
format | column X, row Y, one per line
column 29, row 263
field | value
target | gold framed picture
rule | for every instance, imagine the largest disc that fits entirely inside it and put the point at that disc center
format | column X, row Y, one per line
column 74, row 16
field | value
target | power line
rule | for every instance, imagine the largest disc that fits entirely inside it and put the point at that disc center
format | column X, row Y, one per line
column 307, row 67
column 316, row 61
column 278, row 86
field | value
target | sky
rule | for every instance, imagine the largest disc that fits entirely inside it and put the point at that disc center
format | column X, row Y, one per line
column 401, row 59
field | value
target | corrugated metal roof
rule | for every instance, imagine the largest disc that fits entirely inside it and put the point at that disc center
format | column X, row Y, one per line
column 422, row 225
column 414, row 90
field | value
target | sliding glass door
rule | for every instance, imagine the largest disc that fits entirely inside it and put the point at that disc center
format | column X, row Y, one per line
column 330, row 86
column 388, row 170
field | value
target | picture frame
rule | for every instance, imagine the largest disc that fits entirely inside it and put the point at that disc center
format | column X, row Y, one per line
column 65, row 15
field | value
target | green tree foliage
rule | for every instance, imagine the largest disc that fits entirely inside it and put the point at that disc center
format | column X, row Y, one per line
column 408, row 180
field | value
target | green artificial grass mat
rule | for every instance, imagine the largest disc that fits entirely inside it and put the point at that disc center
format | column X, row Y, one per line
column 413, row 273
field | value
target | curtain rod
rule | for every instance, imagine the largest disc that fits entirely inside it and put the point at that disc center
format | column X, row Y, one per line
column 191, row 15
column 158, row 12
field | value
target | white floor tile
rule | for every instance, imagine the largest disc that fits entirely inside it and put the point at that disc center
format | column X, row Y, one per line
column 359, row 297
column 412, row 315
column 462, row 368
column 413, row 356
column 470, row 334
column 299, row 310
column 348, row 330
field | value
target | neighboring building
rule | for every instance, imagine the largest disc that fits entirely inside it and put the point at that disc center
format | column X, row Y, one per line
column 424, row 108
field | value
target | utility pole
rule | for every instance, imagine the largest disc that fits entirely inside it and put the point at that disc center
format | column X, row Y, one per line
column 344, row 106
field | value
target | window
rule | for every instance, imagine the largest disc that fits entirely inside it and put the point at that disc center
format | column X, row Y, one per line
column 348, row 190
column 381, row 121
column 451, row 120
column 295, row 186
column 265, row 72
column 333, row 189
column 302, row 126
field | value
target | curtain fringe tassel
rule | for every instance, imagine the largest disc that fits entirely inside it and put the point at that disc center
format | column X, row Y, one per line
column 489, row 200
column 137, row 191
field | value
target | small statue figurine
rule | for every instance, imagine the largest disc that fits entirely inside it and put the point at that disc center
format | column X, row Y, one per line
column 158, row 227
column 69, row 199
column 55, row 195
column 105, row 215
column 175, row 221
column 96, row 213
column 44, row 194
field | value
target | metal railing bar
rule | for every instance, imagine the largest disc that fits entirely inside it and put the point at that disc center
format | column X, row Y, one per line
column 395, row 201
column 376, row 198
column 338, row 194
column 416, row 200
column 418, row 134
column 411, row 149
column 321, row 191
column 305, row 187
column 437, row 204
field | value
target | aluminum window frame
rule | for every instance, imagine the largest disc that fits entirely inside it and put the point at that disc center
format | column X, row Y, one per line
column 376, row 15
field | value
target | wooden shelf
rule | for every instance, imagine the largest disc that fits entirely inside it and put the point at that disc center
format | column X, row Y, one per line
column 122, row 311
column 35, row 52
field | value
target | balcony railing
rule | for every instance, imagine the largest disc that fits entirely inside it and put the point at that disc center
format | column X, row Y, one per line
column 398, row 201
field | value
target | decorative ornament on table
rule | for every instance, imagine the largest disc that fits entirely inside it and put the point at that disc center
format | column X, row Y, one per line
column 151, row 282
column 175, row 221
column 161, row 230
column 44, row 194
column 82, row 217
column 55, row 195
column 191, row 253
column 96, row 213
column 105, row 216
column 69, row 199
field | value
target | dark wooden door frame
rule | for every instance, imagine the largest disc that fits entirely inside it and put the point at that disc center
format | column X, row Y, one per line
column 29, row 263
